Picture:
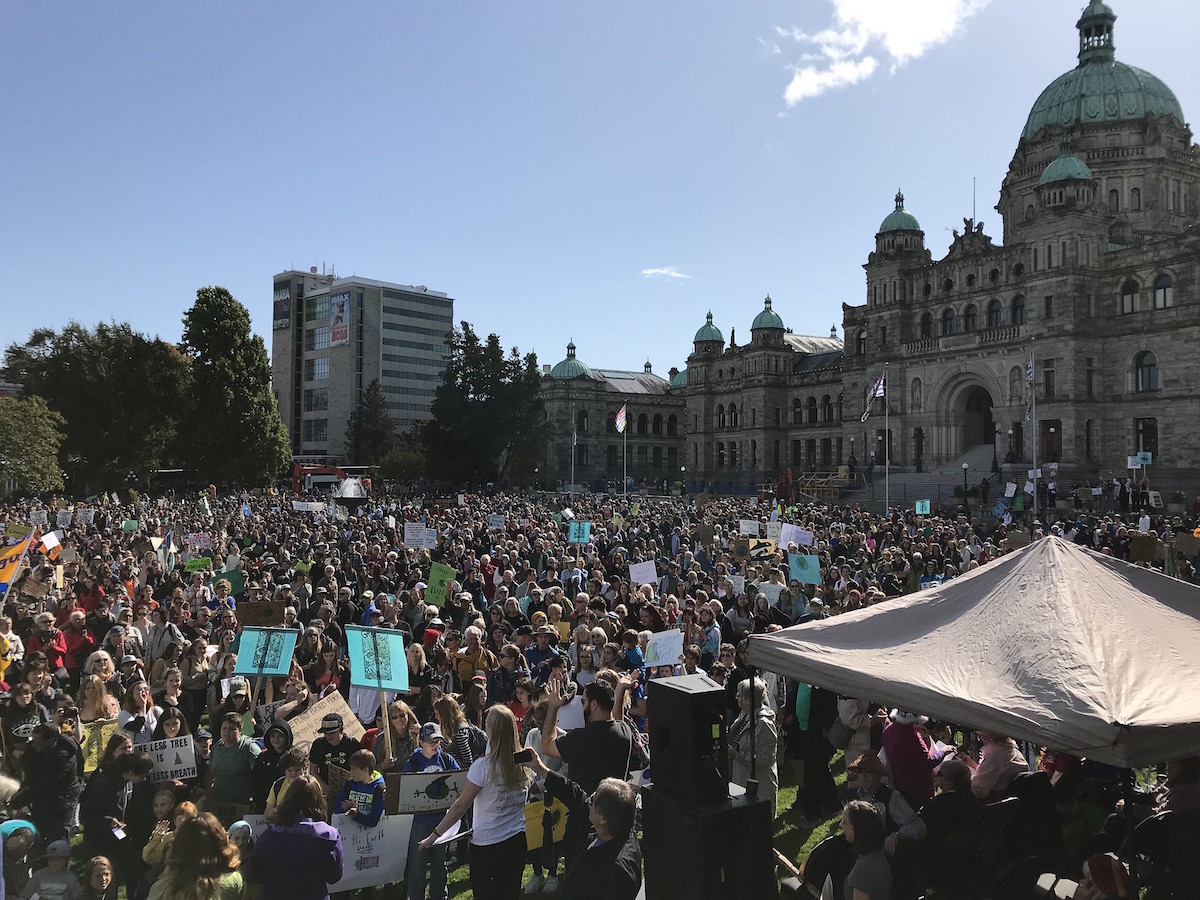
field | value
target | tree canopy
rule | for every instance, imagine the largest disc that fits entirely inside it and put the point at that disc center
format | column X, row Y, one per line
column 370, row 431
column 488, row 415
column 30, row 437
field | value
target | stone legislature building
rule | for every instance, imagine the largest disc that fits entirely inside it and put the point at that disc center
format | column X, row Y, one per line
column 1097, row 280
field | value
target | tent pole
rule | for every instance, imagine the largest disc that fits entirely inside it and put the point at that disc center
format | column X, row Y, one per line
column 1130, row 824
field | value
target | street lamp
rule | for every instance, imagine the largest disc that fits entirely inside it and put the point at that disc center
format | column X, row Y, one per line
column 965, row 503
column 1012, row 451
column 1050, row 450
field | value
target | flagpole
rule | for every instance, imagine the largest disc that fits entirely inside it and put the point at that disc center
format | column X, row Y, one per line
column 625, row 451
column 1036, row 432
column 574, row 441
column 887, row 445
column 20, row 561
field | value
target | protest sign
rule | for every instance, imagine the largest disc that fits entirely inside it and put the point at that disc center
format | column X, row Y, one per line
column 760, row 548
column 307, row 506
column 440, row 575
column 643, row 573
column 377, row 658
column 1010, row 489
column 39, row 517
column 265, row 651
column 199, row 540
column 198, row 564
column 999, row 509
column 419, row 792
column 922, row 508
column 748, row 527
column 370, row 855
column 174, row 758
column 1018, row 539
column 228, row 813
column 1187, row 543
column 127, row 525
column 706, row 533
column 85, row 516
column 793, row 534
column 234, row 576
column 804, row 568
column 18, row 530
column 266, row 712
column 95, row 738
column 741, row 549
column 261, row 613
column 772, row 592
column 306, row 725
column 63, row 518
column 1144, row 548
column 495, row 522
column 665, row 648
column 775, row 531
column 431, row 538
column 535, row 822
column 739, row 584
column 414, row 534
column 579, row 532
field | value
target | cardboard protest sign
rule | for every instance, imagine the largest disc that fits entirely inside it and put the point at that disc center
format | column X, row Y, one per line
column 804, row 568
column 496, row 522
column 440, row 575
column 1018, row 539
column 262, row 614
column 63, row 518
column 665, row 648
column 705, row 534
column 40, row 517
column 174, row 758
column 775, row 531
column 85, row 516
column 1187, row 543
column 377, row 658
column 18, row 530
column 1144, row 548
column 739, row 584
column 370, row 855
column 420, row 792
column 794, row 534
column 643, row 573
column 266, row 651
column 741, row 549
column 760, row 548
column 228, row 813
column 306, row 725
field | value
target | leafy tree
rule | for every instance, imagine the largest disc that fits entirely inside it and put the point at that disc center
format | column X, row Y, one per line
column 235, row 434
column 370, row 431
column 121, row 393
column 405, row 461
column 30, row 437
column 488, row 415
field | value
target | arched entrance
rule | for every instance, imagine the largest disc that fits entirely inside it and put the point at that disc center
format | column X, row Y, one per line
column 977, row 422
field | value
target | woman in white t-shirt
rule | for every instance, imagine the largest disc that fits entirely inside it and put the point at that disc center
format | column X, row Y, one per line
column 495, row 792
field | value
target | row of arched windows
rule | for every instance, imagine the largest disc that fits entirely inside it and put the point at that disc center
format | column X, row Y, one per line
column 995, row 316
column 1164, row 294
column 811, row 412
column 643, row 424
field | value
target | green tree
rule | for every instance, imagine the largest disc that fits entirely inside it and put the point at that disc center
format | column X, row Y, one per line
column 370, row 431
column 31, row 435
column 488, row 415
column 121, row 393
column 235, row 434
column 405, row 461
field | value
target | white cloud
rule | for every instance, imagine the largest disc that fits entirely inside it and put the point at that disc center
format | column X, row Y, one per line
column 770, row 47
column 849, row 49
column 670, row 273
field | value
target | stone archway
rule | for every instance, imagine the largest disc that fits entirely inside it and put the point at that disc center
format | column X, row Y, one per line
column 978, row 424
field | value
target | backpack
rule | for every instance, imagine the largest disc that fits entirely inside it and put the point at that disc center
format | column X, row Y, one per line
column 476, row 740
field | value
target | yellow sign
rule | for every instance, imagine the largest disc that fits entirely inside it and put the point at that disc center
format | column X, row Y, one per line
column 95, row 738
column 10, row 558
column 535, row 824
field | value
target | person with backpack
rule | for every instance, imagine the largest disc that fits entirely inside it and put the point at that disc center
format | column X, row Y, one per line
column 428, row 866
column 467, row 742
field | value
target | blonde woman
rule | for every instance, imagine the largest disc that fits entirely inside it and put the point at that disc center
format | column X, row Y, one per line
column 404, row 726
column 495, row 792
column 95, row 702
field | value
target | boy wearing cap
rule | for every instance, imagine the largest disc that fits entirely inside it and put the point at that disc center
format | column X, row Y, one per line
column 428, row 757
column 333, row 747
column 56, row 881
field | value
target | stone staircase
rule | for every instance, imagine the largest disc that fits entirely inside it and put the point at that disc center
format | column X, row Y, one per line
column 937, row 485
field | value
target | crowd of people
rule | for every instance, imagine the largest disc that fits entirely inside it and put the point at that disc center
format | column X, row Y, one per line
column 131, row 614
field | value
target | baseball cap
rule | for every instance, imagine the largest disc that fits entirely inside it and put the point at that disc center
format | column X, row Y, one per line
column 330, row 723
column 430, row 732
column 58, row 848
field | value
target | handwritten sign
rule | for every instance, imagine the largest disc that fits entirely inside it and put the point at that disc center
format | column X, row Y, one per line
column 95, row 738
column 261, row 614
column 748, row 527
column 440, row 575
column 414, row 534
column 579, row 532
column 174, row 758
column 370, row 854
column 804, row 568
column 306, row 725
column 496, row 522
column 643, row 573
column 665, row 648
column 419, row 792
column 922, row 507
column 793, row 534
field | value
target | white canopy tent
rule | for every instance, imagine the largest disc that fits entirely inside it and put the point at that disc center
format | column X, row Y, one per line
column 1052, row 644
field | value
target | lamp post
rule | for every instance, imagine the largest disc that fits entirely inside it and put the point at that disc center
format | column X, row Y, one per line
column 1011, row 447
column 535, row 478
column 683, row 479
column 1050, row 452
column 995, row 459
column 966, row 503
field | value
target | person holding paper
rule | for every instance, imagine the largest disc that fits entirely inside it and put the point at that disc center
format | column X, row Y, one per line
column 427, row 866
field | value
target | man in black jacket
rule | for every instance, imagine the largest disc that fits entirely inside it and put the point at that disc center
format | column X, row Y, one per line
column 53, row 768
column 611, row 866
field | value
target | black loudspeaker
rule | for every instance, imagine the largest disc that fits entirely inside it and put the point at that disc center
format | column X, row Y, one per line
column 688, row 739
column 713, row 851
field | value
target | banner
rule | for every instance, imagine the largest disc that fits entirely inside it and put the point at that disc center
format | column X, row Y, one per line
column 579, row 532
column 804, row 568
column 174, row 758
column 339, row 330
column 643, row 573
column 665, row 648
column 307, row 506
column 794, row 534
column 372, row 855
column 267, row 651
column 440, row 575
column 306, row 725
column 10, row 559
column 95, row 738
column 262, row 614
column 419, row 792
column 377, row 658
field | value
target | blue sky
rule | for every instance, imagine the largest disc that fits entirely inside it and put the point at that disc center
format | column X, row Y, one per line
column 603, row 172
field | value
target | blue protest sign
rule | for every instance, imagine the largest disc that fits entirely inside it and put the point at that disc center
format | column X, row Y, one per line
column 922, row 507
column 999, row 509
column 267, row 652
column 377, row 659
column 579, row 532
column 804, row 568
column 1145, row 457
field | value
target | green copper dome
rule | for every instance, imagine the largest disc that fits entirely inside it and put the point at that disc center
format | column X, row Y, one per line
column 709, row 332
column 1065, row 167
column 570, row 367
column 680, row 379
column 1100, row 89
column 768, row 318
column 900, row 219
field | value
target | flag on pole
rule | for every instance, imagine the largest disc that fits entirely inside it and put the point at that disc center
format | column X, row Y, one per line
column 10, row 561
column 574, row 438
column 1029, row 388
column 621, row 419
column 879, row 389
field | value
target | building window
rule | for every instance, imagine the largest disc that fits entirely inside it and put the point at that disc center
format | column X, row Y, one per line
column 826, row 408
column 970, row 318
column 316, row 338
column 658, row 458
column 1145, row 433
column 860, row 342
column 948, row 285
column 917, row 396
column 581, row 420
column 1089, row 439
column 882, row 335
column 642, row 421
column 947, row 322
column 1135, row 199
column 778, row 416
column 1114, row 200
column 672, row 458
column 733, row 454
column 316, row 399
column 753, row 453
column 812, row 410
column 318, row 309
column 810, row 452
column 1018, row 310
column 797, row 412
column 316, row 369
column 775, row 452
column 1048, row 385
column 1164, row 292
column 1090, row 378
column 826, row 453
column 797, row 453
column 612, row 456
column 316, row 431
column 1145, row 366
column 672, row 425
column 643, row 457
column 733, row 417
column 610, row 423
column 927, row 326
column 1129, row 297
column 995, row 314
column 1049, row 307
column 695, row 456
column 656, row 425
